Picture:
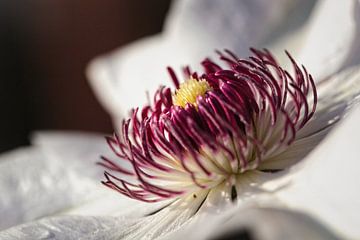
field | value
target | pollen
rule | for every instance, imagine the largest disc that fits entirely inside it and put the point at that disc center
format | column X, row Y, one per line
column 189, row 91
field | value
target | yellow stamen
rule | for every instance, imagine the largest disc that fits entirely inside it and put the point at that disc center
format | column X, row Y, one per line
column 189, row 91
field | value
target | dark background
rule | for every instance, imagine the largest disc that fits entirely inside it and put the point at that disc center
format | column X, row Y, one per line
column 45, row 46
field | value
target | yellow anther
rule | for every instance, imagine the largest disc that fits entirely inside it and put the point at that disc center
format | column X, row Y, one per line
column 189, row 91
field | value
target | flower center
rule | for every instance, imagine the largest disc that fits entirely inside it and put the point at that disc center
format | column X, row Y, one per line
column 201, row 136
column 189, row 91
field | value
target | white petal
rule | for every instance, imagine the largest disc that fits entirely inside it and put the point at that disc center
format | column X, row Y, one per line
column 254, row 223
column 295, row 153
column 332, row 38
column 58, row 175
column 79, row 151
column 65, row 228
column 193, row 31
column 120, row 79
column 152, row 226
column 198, row 27
column 326, row 183
column 327, row 42
column 32, row 186
column 336, row 96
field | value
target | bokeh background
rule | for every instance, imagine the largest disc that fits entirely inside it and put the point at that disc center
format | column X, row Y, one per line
column 45, row 47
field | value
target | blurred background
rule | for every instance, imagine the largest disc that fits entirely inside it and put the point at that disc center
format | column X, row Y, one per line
column 44, row 49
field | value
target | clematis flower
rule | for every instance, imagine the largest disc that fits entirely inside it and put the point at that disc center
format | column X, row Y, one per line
column 43, row 186
column 216, row 128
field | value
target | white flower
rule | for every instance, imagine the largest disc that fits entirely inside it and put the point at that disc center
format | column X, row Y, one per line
column 56, row 175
